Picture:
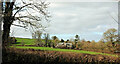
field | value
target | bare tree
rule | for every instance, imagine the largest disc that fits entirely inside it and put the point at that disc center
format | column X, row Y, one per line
column 117, row 21
column 27, row 13
column 46, row 36
column 37, row 35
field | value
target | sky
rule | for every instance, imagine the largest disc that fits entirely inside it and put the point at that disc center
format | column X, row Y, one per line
column 87, row 19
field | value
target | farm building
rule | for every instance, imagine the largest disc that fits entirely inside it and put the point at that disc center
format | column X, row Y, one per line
column 64, row 45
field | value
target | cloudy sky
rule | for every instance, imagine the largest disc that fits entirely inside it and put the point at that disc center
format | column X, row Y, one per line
column 87, row 19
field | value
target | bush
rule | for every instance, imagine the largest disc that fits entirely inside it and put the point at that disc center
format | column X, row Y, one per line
column 96, row 46
column 38, row 56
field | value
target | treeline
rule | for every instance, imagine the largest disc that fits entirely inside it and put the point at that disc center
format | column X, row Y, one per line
column 109, row 42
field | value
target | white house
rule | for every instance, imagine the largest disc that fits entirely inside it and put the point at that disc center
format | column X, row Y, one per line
column 68, row 45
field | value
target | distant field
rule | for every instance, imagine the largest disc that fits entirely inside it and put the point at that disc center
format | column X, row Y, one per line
column 63, row 50
column 25, row 41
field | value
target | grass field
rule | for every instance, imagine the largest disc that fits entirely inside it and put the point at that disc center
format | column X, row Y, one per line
column 25, row 41
column 62, row 50
column 31, row 42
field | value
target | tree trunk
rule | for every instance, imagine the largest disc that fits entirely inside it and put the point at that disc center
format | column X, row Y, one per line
column 6, row 31
column 8, row 20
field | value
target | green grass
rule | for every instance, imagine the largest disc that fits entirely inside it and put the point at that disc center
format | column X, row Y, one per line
column 63, row 50
column 31, row 42
column 25, row 41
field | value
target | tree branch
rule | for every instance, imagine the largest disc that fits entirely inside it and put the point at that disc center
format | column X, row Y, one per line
column 113, row 18
column 21, row 8
column 30, row 17
column 19, row 26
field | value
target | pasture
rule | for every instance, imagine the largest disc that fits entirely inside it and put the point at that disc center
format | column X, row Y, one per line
column 63, row 50
column 42, row 54
column 31, row 42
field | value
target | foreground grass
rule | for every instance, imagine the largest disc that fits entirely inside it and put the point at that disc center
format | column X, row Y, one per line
column 63, row 50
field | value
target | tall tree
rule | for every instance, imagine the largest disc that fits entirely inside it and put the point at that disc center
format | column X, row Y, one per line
column 37, row 35
column 111, row 35
column 54, row 37
column 55, row 40
column 76, row 40
column 46, row 36
column 27, row 13
column 62, row 40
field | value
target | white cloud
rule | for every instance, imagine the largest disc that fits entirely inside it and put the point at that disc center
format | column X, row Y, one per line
column 84, row 18
column 81, row 0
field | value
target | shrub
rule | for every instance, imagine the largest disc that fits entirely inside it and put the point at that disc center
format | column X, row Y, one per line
column 36, row 57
